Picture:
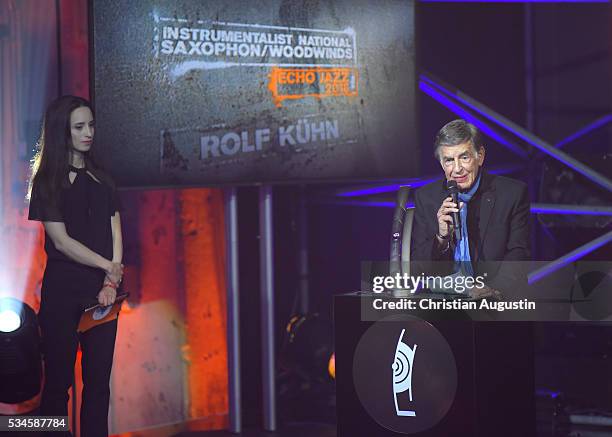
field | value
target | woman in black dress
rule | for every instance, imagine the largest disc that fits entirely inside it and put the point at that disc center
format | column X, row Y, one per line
column 78, row 206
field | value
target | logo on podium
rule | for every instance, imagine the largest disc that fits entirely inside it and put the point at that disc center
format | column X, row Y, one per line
column 420, row 400
column 402, row 374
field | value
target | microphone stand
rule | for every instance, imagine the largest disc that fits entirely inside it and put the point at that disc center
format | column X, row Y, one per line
column 395, row 263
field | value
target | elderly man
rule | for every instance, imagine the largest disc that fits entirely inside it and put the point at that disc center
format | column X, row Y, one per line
column 493, row 212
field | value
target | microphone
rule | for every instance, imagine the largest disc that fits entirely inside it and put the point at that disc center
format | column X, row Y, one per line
column 453, row 190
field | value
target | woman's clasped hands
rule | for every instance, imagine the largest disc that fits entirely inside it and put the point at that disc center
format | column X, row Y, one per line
column 108, row 293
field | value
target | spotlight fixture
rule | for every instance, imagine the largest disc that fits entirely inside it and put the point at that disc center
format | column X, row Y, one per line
column 308, row 347
column 9, row 321
column 20, row 357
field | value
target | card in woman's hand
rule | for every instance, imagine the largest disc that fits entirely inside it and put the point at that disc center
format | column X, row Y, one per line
column 98, row 314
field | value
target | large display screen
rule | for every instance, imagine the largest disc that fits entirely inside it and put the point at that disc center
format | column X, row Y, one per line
column 203, row 92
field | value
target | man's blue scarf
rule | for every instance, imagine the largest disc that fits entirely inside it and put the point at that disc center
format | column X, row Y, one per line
column 463, row 261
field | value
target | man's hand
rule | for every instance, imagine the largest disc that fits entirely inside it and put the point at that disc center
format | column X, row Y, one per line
column 445, row 219
column 115, row 272
column 485, row 292
column 107, row 296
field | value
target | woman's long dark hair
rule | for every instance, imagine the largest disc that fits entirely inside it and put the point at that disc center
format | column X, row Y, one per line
column 50, row 163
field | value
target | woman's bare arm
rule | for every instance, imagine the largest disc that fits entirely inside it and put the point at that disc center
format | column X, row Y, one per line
column 117, row 238
column 108, row 294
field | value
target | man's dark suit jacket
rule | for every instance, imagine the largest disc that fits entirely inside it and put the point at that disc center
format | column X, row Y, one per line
column 498, row 227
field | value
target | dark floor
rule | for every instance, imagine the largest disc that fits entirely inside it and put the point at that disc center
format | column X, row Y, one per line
column 296, row 430
column 321, row 430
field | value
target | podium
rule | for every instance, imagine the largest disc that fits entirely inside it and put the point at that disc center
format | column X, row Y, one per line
column 420, row 373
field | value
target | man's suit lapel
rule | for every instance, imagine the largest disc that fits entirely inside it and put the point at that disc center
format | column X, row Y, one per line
column 487, row 203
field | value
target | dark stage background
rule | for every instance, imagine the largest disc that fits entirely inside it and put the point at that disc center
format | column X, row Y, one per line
column 546, row 67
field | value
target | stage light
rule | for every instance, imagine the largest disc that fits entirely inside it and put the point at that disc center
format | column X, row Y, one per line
column 331, row 367
column 20, row 357
column 308, row 347
column 9, row 321
column 305, row 385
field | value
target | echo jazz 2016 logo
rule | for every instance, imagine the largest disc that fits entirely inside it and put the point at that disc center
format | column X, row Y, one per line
column 402, row 373
column 317, row 82
column 405, row 374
